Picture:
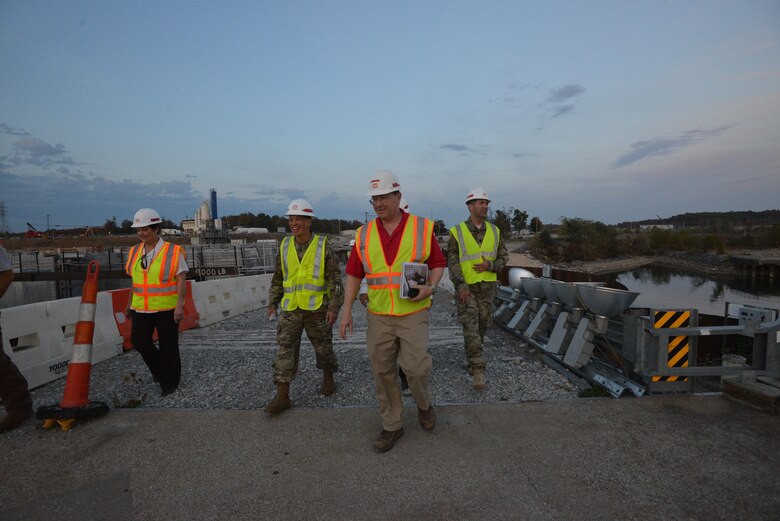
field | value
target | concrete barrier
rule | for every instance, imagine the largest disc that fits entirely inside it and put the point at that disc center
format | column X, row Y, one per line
column 220, row 299
column 39, row 337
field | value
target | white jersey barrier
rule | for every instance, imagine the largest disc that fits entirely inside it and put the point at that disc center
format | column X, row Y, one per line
column 42, row 336
column 219, row 299
column 39, row 337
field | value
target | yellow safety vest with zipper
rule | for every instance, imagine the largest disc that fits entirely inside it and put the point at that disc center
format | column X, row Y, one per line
column 154, row 288
column 471, row 253
column 304, row 280
column 383, row 280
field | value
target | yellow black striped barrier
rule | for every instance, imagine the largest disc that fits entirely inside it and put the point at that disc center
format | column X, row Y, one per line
column 678, row 346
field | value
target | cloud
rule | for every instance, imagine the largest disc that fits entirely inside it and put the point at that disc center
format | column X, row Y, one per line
column 564, row 93
column 84, row 198
column 560, row 110
column 5, row 129
column 556, row 102
column 35, row 151
column 512, row 90
column 665, row 145
column 460, row 148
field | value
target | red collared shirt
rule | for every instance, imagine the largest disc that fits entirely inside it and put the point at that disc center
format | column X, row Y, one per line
column 390, row 244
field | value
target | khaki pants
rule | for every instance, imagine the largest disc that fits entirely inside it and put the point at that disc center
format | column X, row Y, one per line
column 411, row 354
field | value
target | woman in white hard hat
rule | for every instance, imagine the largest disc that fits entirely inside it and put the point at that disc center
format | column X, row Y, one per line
column 307, row 287
column 158, row 269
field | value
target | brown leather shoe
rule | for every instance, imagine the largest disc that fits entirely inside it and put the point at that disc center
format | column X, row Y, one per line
column 427, row 418
column 387, row 439
column 14, row 419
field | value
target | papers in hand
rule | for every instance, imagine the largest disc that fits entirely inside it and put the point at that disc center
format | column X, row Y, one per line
column 414, row 274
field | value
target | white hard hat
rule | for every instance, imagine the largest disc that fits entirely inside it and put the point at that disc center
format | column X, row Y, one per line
column 476, row 194
column 145, row 217
column 300, row 207
column 383, row 182
column 404, row 204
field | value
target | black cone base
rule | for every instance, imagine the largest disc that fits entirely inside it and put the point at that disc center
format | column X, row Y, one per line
column 55, row 412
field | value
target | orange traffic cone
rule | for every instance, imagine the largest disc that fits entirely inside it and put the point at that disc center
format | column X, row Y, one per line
column 75, row 402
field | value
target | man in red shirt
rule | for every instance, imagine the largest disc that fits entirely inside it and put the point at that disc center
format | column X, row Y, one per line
column 381, row 247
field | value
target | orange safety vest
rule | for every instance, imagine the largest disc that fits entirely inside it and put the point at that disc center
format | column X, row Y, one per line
column 383, row 280
column 154, row 289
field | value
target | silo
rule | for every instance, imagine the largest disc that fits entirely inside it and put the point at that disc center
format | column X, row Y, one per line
column 214, row 214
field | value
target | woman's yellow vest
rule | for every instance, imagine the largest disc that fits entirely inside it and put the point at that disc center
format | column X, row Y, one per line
column 154, row 289
column 304, row 280
column 471, row 253
column 383, row 280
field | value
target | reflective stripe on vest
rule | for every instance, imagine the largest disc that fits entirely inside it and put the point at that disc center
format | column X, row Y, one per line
column 384, row 282
column 471, row 253
column 304, row 280
column 155, row 288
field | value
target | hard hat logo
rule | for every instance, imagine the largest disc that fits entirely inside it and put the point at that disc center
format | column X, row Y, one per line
column 477, row 194
column 385, row 182
column 300, row 207
column 145, row 217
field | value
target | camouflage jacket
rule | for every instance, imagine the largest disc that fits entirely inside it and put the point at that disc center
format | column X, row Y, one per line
column 332, row 300
column 456, row 274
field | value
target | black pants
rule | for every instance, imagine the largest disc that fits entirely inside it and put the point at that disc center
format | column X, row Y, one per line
column 13, row 385
column 164, row 363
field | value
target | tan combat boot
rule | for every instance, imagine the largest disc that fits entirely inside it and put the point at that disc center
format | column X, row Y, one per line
column 281, row 401
column 479, row 378
column 328, row 385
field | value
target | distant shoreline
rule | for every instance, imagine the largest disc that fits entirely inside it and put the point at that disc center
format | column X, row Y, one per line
column 711, row 264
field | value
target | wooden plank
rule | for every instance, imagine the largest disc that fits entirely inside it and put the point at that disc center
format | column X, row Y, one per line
column 766, row 397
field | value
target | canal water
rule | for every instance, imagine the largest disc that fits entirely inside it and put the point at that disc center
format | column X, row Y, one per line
column 668, row 288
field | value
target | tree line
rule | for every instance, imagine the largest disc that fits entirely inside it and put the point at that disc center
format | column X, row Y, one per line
column 585, row 240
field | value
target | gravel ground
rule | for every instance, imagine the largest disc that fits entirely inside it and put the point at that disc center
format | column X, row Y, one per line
column 228, row 366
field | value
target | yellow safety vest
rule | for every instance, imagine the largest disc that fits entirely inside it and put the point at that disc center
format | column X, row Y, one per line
column 383, row 280
column 304, row 280
column 154, row 289
column 471, row 253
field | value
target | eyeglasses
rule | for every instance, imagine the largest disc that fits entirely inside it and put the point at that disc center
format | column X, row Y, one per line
column 375, row 200
column 144, row 262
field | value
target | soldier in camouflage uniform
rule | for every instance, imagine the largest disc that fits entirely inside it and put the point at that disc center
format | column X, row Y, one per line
column 310, row 293
column 475, row 255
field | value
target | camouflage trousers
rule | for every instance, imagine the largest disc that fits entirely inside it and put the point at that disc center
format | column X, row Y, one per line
column 288, row 335
column 475, row 316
